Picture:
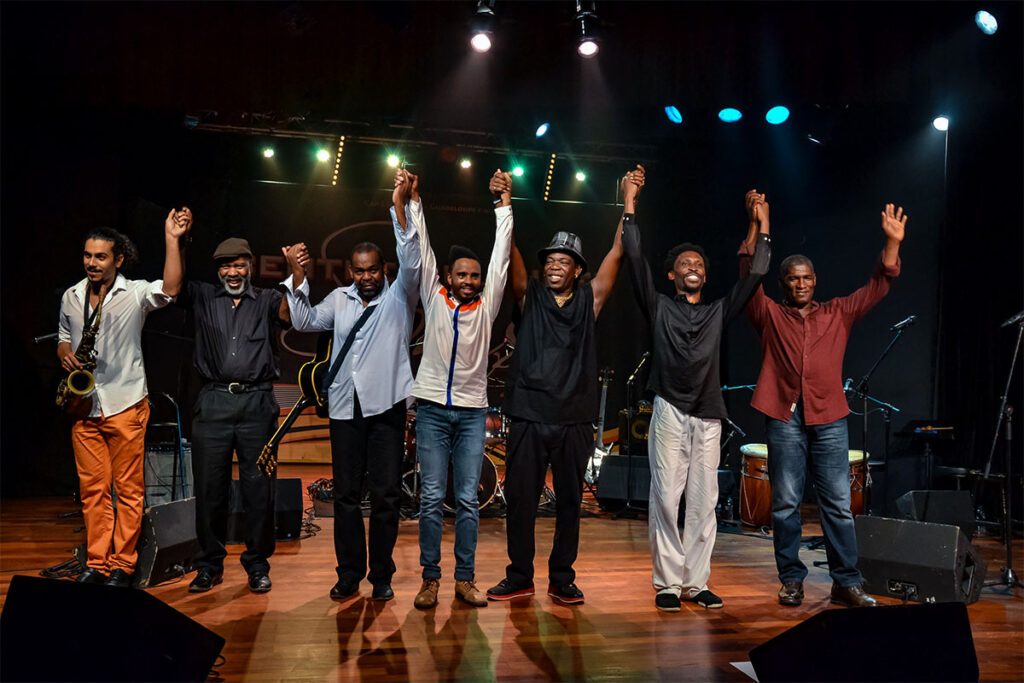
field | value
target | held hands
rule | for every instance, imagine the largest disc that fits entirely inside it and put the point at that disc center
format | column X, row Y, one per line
column 178, row 223
column 406, row 188
column 501, row 187
column 894, row 223
column 631, row 185
column 757, row 208
column 297, row 256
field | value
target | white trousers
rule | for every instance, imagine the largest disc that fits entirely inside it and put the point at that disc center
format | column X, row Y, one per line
column 684, row 455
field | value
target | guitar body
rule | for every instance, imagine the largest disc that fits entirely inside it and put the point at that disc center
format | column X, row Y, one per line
column 311, row 376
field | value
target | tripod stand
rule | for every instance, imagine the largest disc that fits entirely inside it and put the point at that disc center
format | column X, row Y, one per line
column 631, row 511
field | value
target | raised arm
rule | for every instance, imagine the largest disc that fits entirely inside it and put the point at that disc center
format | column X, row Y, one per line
column 894, row 225
column 300, row 255
column 497, row 269
column 406, row 197
column 176, row 227
column 604, row 280
column 501, row 184
column 639, row 270
column 757, row 306
column 430, row 283
column 301, row 314
column 757, row 243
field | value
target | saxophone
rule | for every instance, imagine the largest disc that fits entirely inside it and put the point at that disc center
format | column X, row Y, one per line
column 75, row 392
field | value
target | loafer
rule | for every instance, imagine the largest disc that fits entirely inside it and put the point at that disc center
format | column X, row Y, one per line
column 427, row 597
column 205, row 580
column 344, row 589
column 852, row 596
column 91, row 575
column 119, row 578
column 707, row 600
column 382, row 592
column 791, row 594
column 667, row 602
column 259, row 582
column 506, row 590
column 470, row 594
column 567, row 595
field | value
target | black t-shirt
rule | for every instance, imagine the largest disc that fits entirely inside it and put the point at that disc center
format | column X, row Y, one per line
column 554, row 368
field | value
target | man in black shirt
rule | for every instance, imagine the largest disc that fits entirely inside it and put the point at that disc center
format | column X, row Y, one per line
column 686, row 424
column 552, row 402
column 236, row 325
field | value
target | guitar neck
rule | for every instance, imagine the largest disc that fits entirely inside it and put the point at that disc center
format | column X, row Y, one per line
column 293, row 415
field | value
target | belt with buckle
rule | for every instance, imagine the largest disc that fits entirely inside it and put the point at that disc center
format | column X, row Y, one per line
column 240, row 387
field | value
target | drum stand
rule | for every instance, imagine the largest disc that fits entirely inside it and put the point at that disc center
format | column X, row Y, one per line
column 630, row 511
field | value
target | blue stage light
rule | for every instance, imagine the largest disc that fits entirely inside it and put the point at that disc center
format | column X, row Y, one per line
column 542, row 129
column 941, row 123
column 986, row 22
column 777, row 115
column 673, row 114
column 730, row 115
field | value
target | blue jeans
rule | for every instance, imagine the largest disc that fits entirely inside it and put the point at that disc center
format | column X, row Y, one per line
column 449, row 435
column 792, row 446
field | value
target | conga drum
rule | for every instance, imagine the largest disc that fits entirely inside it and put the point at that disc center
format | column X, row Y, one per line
column 755, row 488
column 858, row 472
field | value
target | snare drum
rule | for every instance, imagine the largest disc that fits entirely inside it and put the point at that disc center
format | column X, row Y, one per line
column 755, row 489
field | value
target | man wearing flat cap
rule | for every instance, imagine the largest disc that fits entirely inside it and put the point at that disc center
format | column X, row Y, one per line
column 553, row 401
column 236, row 327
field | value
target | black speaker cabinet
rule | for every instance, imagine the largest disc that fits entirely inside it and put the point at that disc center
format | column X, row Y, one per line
column 921, row 561
column 633, row 428
column 55, row 630
column 287, row 515
column 611, row 484
column 168, row 542
column 940, row 507
column 892, row 643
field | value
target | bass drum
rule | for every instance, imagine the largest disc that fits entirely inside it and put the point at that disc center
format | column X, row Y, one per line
column 485, row 491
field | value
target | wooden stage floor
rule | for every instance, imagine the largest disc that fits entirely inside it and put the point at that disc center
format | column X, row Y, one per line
column 297, row 633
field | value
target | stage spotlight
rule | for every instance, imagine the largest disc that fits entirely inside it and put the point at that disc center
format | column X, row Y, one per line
column 586, row 23
column 673, row 114
column 322, row 155
column 517, row 171
column 466, row 163
column 542, row 129
column 483, row 26
column 581, row 176
column 730, row 115
column 393, row 161
column 986, row 22
column 941, row 123
column 268, row 152
column 777, row 115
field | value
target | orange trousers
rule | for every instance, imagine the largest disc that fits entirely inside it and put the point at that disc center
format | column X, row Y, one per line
column 111, row 450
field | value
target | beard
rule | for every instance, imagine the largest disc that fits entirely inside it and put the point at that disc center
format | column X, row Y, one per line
column 235, row 291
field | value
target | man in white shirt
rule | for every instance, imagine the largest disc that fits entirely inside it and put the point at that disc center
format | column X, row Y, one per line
column 451, row 390
column 109, row 443
column 367, row 397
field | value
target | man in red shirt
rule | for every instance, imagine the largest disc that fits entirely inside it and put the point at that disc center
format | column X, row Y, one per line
column 800, row 390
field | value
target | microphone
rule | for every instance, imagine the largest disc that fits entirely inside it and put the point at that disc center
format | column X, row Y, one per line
column 1013, row 319
column 907, row 322
column 643, row 359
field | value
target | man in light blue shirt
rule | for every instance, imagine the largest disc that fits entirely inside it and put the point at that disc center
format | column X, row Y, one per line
column 367, row 397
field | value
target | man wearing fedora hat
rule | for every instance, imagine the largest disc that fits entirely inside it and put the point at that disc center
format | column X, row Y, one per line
column 236, row 328
column 552, row 400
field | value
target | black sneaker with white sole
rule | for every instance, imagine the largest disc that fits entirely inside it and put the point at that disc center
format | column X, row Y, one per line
column 667, row 602
column 707, row 600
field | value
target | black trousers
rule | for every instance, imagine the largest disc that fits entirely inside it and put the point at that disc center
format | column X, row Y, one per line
column 227, row 423
column 531, row 447
column 367, row 449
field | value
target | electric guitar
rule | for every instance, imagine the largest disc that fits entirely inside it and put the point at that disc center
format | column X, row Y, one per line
column 311, row 376
column 593, row 470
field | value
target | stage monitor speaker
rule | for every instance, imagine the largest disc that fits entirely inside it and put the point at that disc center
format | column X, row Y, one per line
column 168, row 542
column 940, row 507
column 892, row 643
column 287, row 514
column 54, row 630
column 633, row 428
column 611, row 484
column 161, row 475
column 920, row 561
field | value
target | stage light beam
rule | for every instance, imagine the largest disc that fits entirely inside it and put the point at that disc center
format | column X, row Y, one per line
column 777, row 115
column 730, row 115
column 542, row 129
column 986, row 22
column 586, row 23
column 323, row 155
column 518, row 171
column 941, row 123
column 580, row 176
column 673, row 114
column 268, row 152
column 481, row 42
column 483, row 26
column 466, row 163
column 393, row 161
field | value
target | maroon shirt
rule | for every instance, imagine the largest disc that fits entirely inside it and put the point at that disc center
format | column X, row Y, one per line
column 802, row 358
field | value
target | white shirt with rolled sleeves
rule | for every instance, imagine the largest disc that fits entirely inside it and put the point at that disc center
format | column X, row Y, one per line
column 462, row 383
column 376, row 367
column 120, row 373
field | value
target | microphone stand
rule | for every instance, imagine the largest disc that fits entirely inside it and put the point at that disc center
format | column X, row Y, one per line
column 631, row 511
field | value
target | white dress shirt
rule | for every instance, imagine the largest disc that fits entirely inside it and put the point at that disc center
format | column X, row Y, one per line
column 120, row 373
column 456, row 341
column 376, row 367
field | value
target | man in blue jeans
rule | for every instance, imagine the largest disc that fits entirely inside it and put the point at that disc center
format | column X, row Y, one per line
column 800, row 390
column 451, row 389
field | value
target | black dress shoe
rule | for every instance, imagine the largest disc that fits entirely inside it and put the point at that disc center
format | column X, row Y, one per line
column 119, row 578
column 791, row 594
column 259, row 582
column 205, row 580
column 852, row 596
column 382, row 592
column 343, row 589
column 91, row 575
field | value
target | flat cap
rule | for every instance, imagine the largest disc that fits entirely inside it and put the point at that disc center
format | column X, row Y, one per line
column 232, row 247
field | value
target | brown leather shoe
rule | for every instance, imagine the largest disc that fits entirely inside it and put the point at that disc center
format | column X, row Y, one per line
column 791, row 594
column 852, row 596
column 427, row 597
column 470, row 594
